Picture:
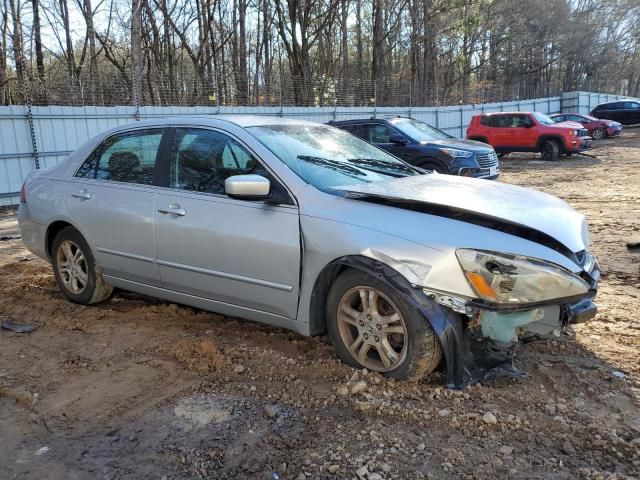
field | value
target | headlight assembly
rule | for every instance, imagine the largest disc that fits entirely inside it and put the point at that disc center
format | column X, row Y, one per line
column 455, row 153
column 513, row 279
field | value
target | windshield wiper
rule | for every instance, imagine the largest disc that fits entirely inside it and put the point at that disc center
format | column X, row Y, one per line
column 333, row 165
column 384, row 168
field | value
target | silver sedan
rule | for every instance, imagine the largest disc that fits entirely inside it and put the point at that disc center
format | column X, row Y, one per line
column 303, row 226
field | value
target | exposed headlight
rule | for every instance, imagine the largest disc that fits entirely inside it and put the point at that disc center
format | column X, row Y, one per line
column 454, row 152
column 514, row 279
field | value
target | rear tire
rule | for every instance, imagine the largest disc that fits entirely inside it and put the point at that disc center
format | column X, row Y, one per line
column 549, row 151
column 76, row 271
column 372, row 326
column 599, row 134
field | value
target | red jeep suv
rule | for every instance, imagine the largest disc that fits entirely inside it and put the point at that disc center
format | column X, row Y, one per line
column 528, row 132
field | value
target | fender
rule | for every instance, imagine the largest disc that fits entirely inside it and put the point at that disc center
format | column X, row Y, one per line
column 557, row 138
column 467, row 360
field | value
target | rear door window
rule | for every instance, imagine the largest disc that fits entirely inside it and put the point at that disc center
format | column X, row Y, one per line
column 500, row 121
column 128, row 157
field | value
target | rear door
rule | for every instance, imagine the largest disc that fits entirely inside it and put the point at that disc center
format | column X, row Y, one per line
column 500, row 131
column 111, row 199
column 235, row 252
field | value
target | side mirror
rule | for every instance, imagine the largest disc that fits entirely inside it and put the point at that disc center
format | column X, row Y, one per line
column 398, row 139
column 247, row 187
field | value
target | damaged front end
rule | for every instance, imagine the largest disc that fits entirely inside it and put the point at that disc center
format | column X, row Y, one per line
column 519, row 299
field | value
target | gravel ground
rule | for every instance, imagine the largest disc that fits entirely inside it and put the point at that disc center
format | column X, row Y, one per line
column 135, row 388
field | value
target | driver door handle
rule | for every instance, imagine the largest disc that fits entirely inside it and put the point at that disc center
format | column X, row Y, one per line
column 173, row 210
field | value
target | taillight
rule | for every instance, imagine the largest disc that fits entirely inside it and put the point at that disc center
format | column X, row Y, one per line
column 23, row 193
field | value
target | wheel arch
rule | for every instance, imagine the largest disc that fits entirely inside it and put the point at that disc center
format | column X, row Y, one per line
column 478, row 138
column 556, row 138
column 447, row 325
column 427, row 159
column 58, row 225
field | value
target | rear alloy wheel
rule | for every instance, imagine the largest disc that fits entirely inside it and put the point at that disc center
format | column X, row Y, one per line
column 75, row 269
column 373, row 327
column 599, row 134
column 549, row 151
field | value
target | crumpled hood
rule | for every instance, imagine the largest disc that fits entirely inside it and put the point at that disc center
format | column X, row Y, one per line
column 489, row 200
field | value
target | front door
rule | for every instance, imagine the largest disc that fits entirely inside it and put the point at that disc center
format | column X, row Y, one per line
column 112, row 198
column 236, row 252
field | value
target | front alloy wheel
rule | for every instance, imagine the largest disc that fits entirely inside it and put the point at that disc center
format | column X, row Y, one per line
column 550, row 151
column 372, row 328
column 599, row 134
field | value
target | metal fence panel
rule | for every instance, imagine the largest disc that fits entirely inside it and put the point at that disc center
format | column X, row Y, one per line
column 584, row 102
column 58, row 130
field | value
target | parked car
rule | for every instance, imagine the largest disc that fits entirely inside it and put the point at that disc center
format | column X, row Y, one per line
column 425, row 146
column 528, row 132
column 626, row 112
column 597, row 129
column 306, row 227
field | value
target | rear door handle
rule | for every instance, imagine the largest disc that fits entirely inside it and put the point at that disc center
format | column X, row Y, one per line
column 83, row 194
column 174, row 210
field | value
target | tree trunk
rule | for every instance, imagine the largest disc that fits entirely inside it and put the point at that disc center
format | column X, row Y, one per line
column 16, row 40
column 4, row 19
column 70, row 55
column 267, row 15
column 359, row 52
column 137, row 62
column 344, row 47
column 37, row 40
column 94, row 83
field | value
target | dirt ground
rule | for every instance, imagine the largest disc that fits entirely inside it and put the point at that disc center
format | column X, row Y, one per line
column 135, row 388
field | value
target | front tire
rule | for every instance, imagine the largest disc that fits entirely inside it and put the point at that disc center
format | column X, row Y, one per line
column 372, row 326
column 433, row 166
column 549, row 151
column 75, row 269
column 599, row 134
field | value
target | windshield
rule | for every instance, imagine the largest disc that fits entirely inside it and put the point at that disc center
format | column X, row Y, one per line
column 543, row 119
column 420, row 131
column 327, row 157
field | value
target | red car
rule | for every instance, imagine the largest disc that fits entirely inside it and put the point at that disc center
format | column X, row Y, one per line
column 529, row 132
column 598, row 129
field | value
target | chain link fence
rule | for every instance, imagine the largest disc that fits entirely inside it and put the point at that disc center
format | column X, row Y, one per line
column 184, row 87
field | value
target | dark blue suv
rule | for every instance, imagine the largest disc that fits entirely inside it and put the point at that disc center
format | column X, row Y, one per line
column 424, row 146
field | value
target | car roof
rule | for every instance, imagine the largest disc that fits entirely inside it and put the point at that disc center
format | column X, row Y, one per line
column 355, row 121
column 242, row 121
column 492, row 114
column 621, row 100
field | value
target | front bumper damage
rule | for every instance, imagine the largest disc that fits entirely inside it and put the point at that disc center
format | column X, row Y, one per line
column 479, row 342
column 486, row 341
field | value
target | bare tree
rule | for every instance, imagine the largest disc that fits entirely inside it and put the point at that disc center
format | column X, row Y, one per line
column 4, row 21
column 137, row 66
